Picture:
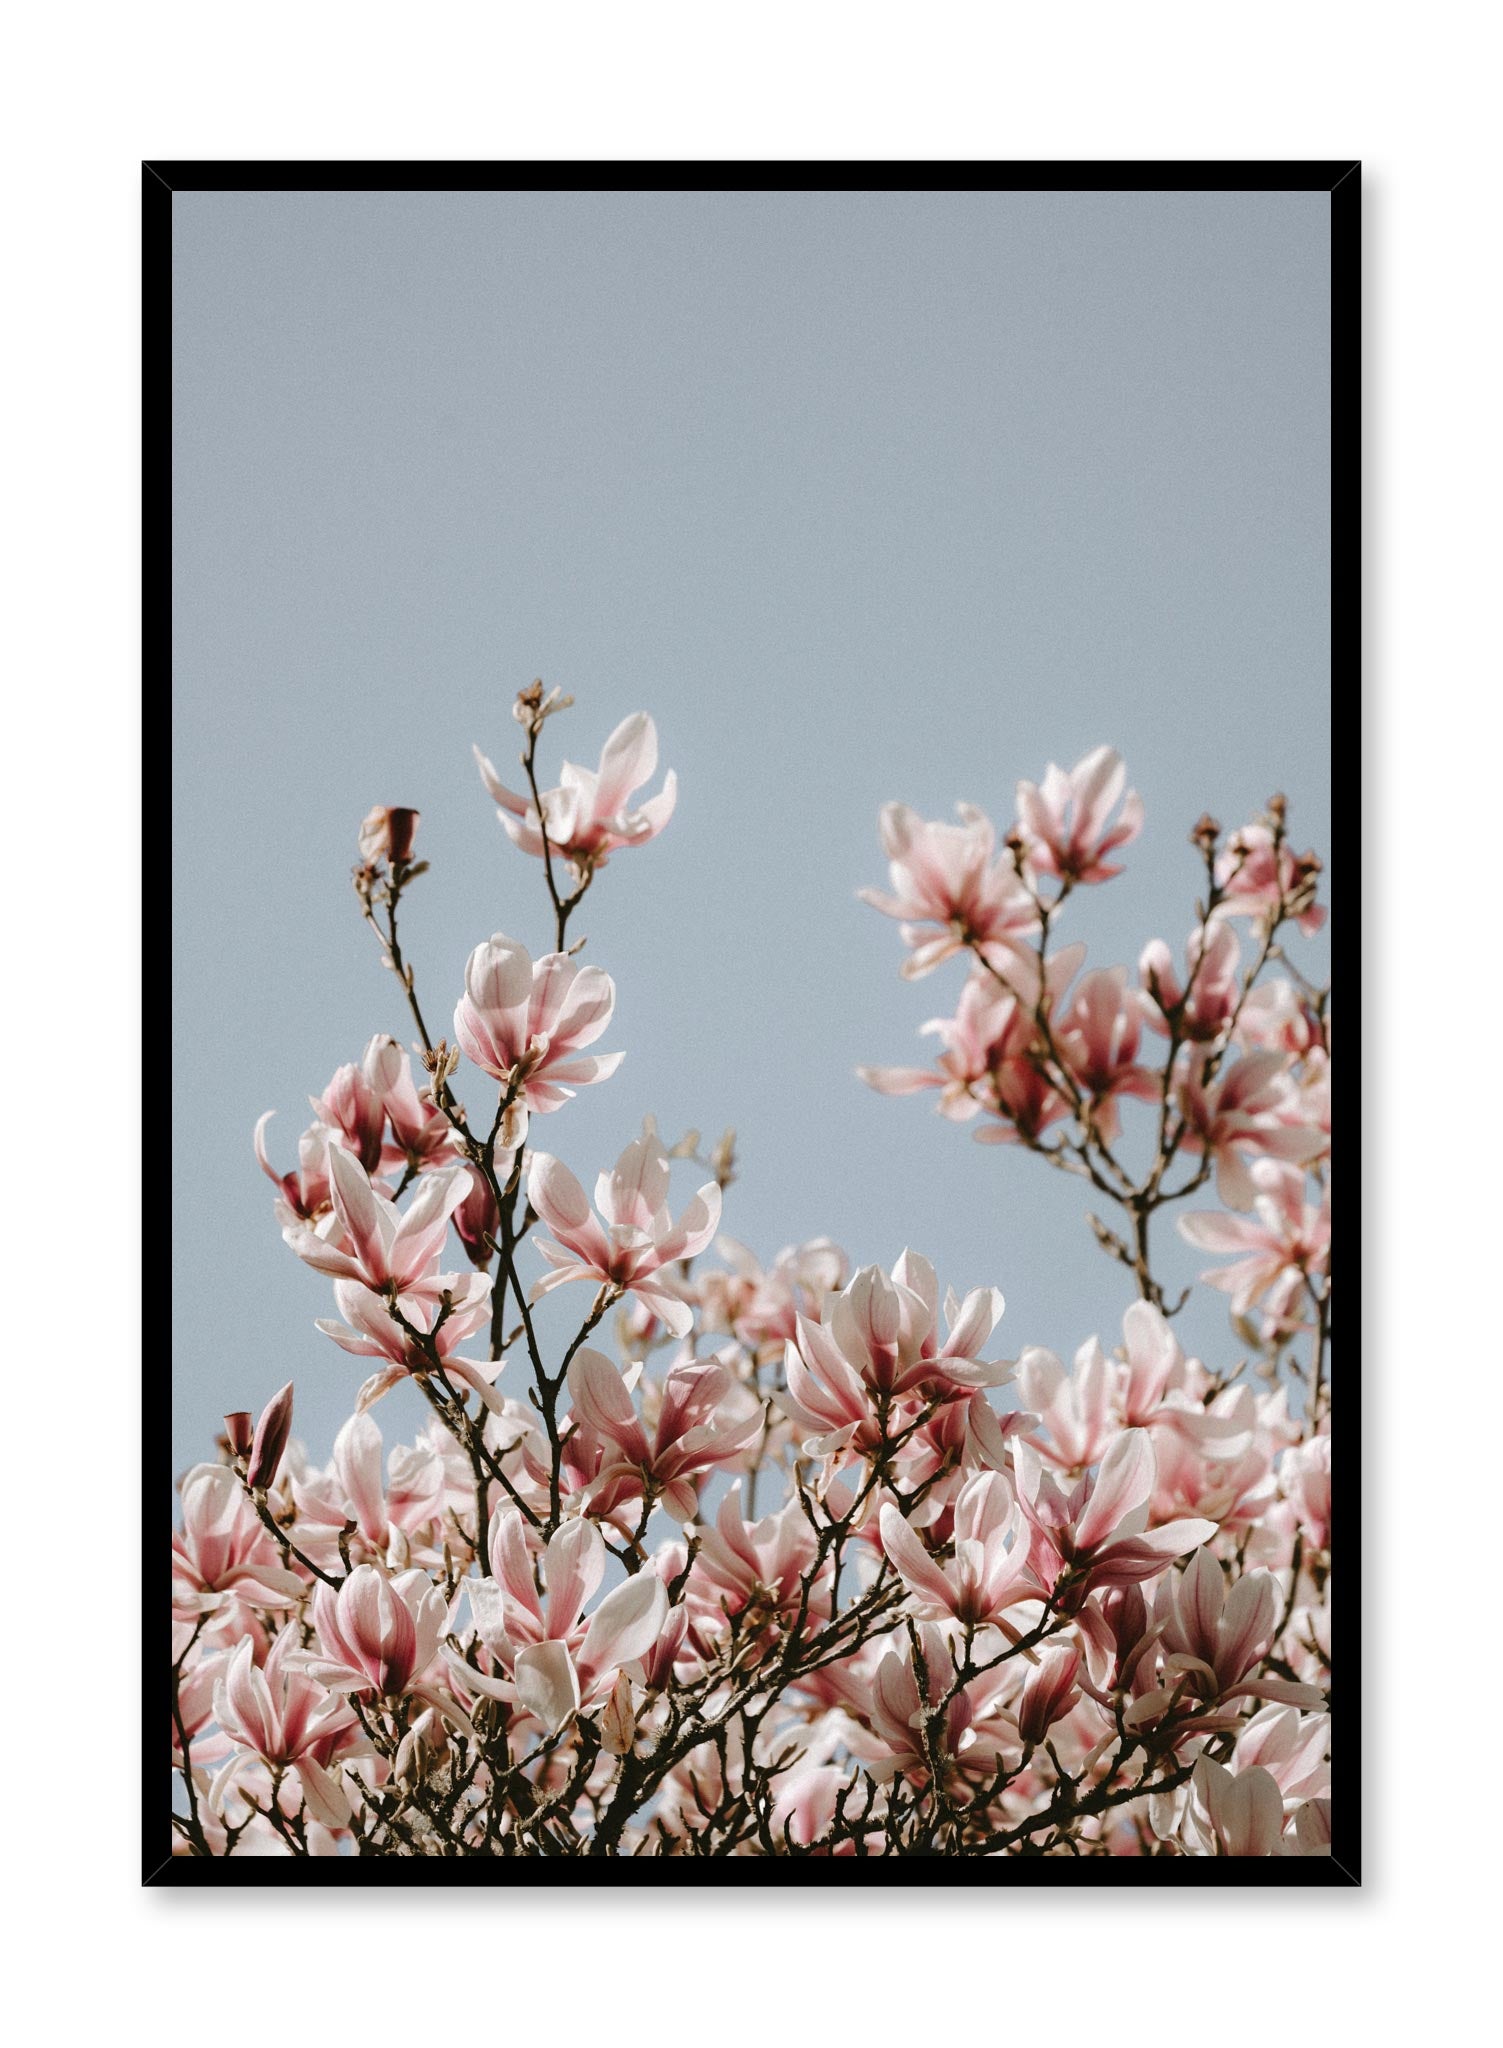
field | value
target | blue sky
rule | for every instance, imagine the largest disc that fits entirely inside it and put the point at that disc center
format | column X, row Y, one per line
column 862, row 496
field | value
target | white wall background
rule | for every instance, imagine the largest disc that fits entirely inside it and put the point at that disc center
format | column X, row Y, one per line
column 94, row 91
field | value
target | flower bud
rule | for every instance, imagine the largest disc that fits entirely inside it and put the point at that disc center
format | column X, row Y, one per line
column 410, row 1765
column 723, row 1158
column 387, row 833
column 618, row 1722
column 381, row 1064
column 478, row 1220
column 270, row 1440
column 237, row 1430
column 1049, row 1694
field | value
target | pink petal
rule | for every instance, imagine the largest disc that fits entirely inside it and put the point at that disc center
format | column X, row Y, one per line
column 1124, row 1482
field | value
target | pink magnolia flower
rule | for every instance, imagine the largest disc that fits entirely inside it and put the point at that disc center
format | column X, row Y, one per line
column 1285, row 1238
column 305, row 1192
column 588, row 817
column 352, row 1114
column 1305, row 1474
column 689, row 1439
column 385, row 1247
column 826, row 1397
column 1215, row 1636
column 1214, row 1460
column 525, row 1025
column 759, row 1566
column 1260, row 875
column 378, row 1635
column 893, row 1710
column 195, row 1703
column 1155, row 1364
column 370, row 1330
column 989, row 1571
column 1292, row 1747
column 284, row 1717
column 556, row 1662
column 422, row 1138
column 808, row 1787
column 950, row 889
column 1064, row 821
column 1206, row 1000
column 1241, row 1815
column 1309, row 1099
column 1276, row 1018
column 1076, row 1409
column 962, row 1436
column 1312, row 1830
column 1120, row 1642
column 223, row 1552
column 762, row 1307
column 807, row 1800
column 1096, row 1536
column 976, row 1040
column 990, row 1052
column 658, row 1660
column 356, row 1490
column 352, row 1110
column 638, row 1239
column 991, row 1059
column 888, row 1329
column 1097, row 1034
column 1026, row 1100
column 1251, row 1106
column 879, row 1337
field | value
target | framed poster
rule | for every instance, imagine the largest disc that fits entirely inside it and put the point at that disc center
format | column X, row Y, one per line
column 643, row 648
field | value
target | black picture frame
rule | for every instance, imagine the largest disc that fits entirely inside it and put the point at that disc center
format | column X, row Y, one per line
column 1341, row 179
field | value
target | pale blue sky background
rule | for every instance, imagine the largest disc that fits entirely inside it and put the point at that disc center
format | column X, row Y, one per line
column 862, row 496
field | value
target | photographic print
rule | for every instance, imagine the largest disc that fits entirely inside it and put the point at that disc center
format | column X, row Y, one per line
column 752, row 936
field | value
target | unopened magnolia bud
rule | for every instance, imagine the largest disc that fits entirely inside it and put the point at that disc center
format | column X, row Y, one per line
column 618, row 1723
column 723, row 1158
column 382, row 1063
column 270, row 1440
column 401, row 832
column 1048, row 1694
column 238, row 1433
column 478, row 1220
column 1205, row 831
column 387, row 833
column 410, row 1765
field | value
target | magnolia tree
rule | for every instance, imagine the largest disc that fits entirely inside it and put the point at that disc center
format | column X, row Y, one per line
column 807, row 1569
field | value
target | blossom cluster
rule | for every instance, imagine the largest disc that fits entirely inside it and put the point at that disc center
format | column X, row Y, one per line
column 786, row 1558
